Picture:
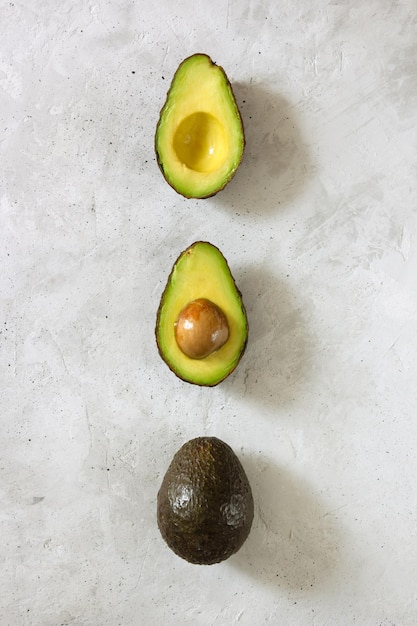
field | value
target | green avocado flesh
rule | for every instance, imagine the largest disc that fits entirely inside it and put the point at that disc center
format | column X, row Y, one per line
column 199, row 138
column 205, row 504
column 201, row 271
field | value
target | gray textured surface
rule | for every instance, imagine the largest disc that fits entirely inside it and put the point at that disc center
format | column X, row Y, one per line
column 319, row 228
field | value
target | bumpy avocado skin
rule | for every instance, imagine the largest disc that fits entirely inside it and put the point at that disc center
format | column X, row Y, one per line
column 242, row 312
column 205, row 504
column 160, row 159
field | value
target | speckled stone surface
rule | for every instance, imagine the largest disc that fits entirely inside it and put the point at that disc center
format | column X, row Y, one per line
column 319, row 228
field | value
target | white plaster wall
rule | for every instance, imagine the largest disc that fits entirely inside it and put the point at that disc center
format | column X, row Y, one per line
column 320, row 230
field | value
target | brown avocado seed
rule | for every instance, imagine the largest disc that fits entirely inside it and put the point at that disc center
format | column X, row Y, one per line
column 201, row 329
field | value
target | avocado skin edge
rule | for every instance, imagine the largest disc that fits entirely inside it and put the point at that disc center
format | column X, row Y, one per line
column 158, row 159
column 161, row 354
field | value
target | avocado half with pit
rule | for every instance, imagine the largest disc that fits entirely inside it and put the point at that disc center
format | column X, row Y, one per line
column 199, row 138
column 201, row 327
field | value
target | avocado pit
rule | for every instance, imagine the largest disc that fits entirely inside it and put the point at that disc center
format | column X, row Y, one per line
column 201, row 329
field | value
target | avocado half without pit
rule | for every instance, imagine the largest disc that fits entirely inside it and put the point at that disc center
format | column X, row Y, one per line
column 199, row 139
column 205, row 504
column 201, row 327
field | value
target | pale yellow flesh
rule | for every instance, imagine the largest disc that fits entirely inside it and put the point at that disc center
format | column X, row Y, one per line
column 199, row 138
column 190, row 279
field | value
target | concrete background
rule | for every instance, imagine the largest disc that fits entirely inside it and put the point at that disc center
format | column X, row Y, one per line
column 319, row 229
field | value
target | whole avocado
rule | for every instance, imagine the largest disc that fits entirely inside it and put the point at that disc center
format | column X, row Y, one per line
column 205, row 504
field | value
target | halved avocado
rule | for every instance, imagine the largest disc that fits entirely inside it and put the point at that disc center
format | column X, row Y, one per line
column 199, row 138
column 201, row 273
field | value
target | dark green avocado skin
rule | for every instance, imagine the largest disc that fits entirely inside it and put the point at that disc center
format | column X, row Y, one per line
column 205, row 503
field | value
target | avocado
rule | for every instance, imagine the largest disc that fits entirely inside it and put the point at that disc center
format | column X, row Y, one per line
column 205, row 503
column 201, row 326
column 199, row 139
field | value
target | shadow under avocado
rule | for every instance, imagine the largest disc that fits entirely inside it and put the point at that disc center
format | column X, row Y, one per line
column 276, row 163
column 278, row 356
column 295, row 541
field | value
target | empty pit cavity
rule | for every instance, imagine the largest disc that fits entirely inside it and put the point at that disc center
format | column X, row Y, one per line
column 200, row 143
